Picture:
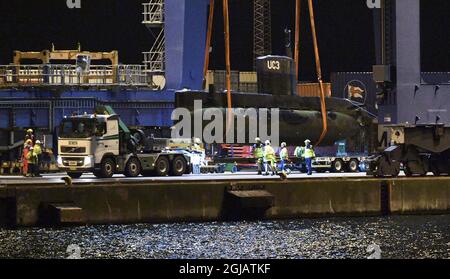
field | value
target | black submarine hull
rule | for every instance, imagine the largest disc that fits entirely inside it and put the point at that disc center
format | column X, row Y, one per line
column 300, row 118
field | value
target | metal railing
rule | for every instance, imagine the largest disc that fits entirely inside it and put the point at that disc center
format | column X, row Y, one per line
column 70, row 75
column 153, row 12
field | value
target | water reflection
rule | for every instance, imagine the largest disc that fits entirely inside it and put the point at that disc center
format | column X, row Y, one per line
column 397, row 237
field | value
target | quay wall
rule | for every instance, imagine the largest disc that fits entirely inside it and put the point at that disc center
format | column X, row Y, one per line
column 203, row 201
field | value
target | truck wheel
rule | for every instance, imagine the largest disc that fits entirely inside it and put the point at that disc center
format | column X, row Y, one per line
column 353, row 165
column 179, row 166
column 133, row 167
column 162, row 166
column 74, row 175
column 107, row 168
column 338, row 166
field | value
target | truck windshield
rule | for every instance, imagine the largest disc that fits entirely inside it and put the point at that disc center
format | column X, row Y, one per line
column 77, row 128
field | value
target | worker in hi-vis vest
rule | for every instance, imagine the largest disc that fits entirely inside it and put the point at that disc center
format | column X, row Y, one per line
column 258, row 153
column 299, row 151
column 284, row 156
column 269, row 158
column 309, row 155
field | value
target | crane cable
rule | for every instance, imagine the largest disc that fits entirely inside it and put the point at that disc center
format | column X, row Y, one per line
column 227, row 55
column 297, row 38
column 208, row 41
column 319, row 74
column 226, row 20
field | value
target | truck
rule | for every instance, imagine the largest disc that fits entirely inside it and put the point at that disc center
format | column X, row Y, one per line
column 101, row 143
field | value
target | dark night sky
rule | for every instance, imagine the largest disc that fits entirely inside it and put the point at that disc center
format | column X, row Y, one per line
column 344, row 30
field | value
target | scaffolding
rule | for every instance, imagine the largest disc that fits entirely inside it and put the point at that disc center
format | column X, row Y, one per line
column 262, row 29
column 154, row 60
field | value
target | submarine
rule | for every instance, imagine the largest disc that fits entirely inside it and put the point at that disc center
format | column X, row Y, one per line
column 300, row 118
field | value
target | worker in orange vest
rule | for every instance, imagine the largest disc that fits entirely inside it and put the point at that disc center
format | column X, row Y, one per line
column 26, row 149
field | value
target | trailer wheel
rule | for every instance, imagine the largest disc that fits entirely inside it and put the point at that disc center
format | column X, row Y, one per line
column 353, row 165
column 107, row 168
column 338, row 165
column 133, row 167
column 74, row 175
column 179, row 166
column 162, row 166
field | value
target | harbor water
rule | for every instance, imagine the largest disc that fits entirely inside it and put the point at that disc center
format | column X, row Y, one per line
column 380, row 237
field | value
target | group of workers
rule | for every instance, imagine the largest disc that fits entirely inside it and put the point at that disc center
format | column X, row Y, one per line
column 30, row 156
column 267, row 161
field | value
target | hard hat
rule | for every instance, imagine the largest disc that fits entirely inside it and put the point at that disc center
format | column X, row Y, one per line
column 30, row 131
column 307, row 141
column 38, row 142
column 197, row 141
column 257, row 140
column 283, row 144
column 267, row 142
column 29, row 141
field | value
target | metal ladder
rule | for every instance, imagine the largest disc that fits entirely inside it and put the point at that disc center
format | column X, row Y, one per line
column 154, row 60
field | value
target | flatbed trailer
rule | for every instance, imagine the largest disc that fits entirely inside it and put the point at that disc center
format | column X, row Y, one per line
column 339, row 163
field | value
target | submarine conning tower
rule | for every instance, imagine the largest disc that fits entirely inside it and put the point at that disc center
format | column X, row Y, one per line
column 276, row 75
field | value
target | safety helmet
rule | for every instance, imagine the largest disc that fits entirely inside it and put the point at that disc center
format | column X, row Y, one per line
column 38, row 142
column 29, row 141
column 197, row 141
column 307, row 141
column 267, row 142
column 257, row 140
column 30, row 131
column 283, row 144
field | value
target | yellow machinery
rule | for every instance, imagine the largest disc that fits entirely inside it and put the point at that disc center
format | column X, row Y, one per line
column 47, row 56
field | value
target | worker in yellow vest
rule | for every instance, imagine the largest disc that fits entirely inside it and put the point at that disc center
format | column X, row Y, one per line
column 284, row 156
column 258, row 153
column 32, row 159
column 269, row 158
column 309, row 155
column 299, row 151
column 37, row 151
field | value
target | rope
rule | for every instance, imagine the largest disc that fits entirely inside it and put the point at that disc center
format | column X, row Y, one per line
column 319, row 74
column 208, row 40
column 227, row 62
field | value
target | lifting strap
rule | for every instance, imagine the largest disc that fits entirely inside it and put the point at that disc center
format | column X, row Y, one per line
column 227, row 55
column 319, row 74
column 228, row 64
column 297, row 38
column 208, row 40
